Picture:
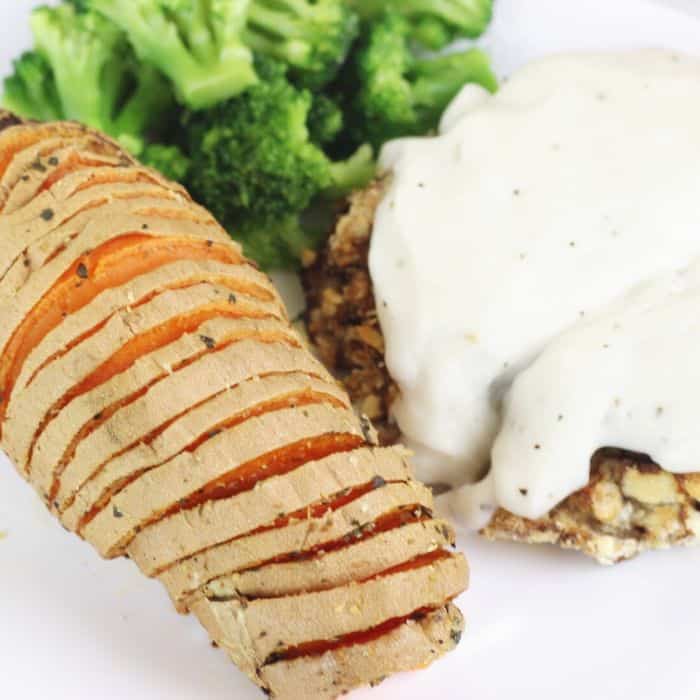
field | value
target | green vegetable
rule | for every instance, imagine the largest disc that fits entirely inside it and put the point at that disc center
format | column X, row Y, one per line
column 31, row 91
column 274, row 243
column 95, row 75
column 168, row 160
column 312, row 36
column 352, row 174
column 255, row 167
column 80, row 5
column 325, row 120
column 196, row 43
column 399, row 94
column 284, row 101
column 434, row 23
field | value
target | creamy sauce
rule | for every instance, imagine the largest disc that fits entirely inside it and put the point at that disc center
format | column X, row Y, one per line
column 537, row 273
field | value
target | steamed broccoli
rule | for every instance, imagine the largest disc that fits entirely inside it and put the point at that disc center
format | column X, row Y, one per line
column 399, row 94
column 31, row 91
column 312, row 36
column 169, row 160
column 95, row 74
column 325, row 120
column 196, row 43
column 352, row 174
column 434, row 23
column 255, row 167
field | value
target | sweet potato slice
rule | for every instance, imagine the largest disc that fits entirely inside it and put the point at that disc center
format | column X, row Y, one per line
column 403, row 645
column 112, row 264
column 166, row 427
column 179, row 430
column 114, row 348
column 125, row 174
column 238, row 278
column 316, row 394
column 94, row 183
column 89, row 154
column 261, row 630
column 387, row 546
column 316, row 482
column 89, row 410
column 35, row 232
column 17, row 137
column 187, row 566
column 67, row 245
column 227, row 463
column 40, row 177
column 45, row 155
column 42, row 242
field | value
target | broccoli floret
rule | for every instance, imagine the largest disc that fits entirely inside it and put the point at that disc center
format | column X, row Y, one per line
column 30, row 91
column 169, row 160
column 312, row 36
column 325, row 120
column 434, row 23
column 196, row 43
column 255, row 167
column 97, row 77
column 399, row 94
column 252, row 154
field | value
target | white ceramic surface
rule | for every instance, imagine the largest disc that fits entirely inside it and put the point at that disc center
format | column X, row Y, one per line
column 542, row 623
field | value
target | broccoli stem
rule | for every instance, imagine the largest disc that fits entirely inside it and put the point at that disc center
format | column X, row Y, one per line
column 201, row 88
column 352, row 174
column 151, row 96
column 437, row 80
column 82, row 60
column 192, row 25
column 206, row 65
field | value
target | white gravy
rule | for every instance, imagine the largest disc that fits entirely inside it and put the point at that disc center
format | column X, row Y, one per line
column 537, row 273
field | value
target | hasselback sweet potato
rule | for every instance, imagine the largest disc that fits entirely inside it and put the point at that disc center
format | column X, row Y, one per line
column 155, row 395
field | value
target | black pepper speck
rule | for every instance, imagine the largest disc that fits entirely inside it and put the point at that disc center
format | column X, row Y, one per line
column 47, row 214
column 82, row 271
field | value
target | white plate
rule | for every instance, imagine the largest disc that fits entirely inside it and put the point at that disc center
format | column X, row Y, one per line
column 542, row 623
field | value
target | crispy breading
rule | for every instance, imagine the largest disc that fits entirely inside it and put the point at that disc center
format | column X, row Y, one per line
column 629, row 506
column 342, row 317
